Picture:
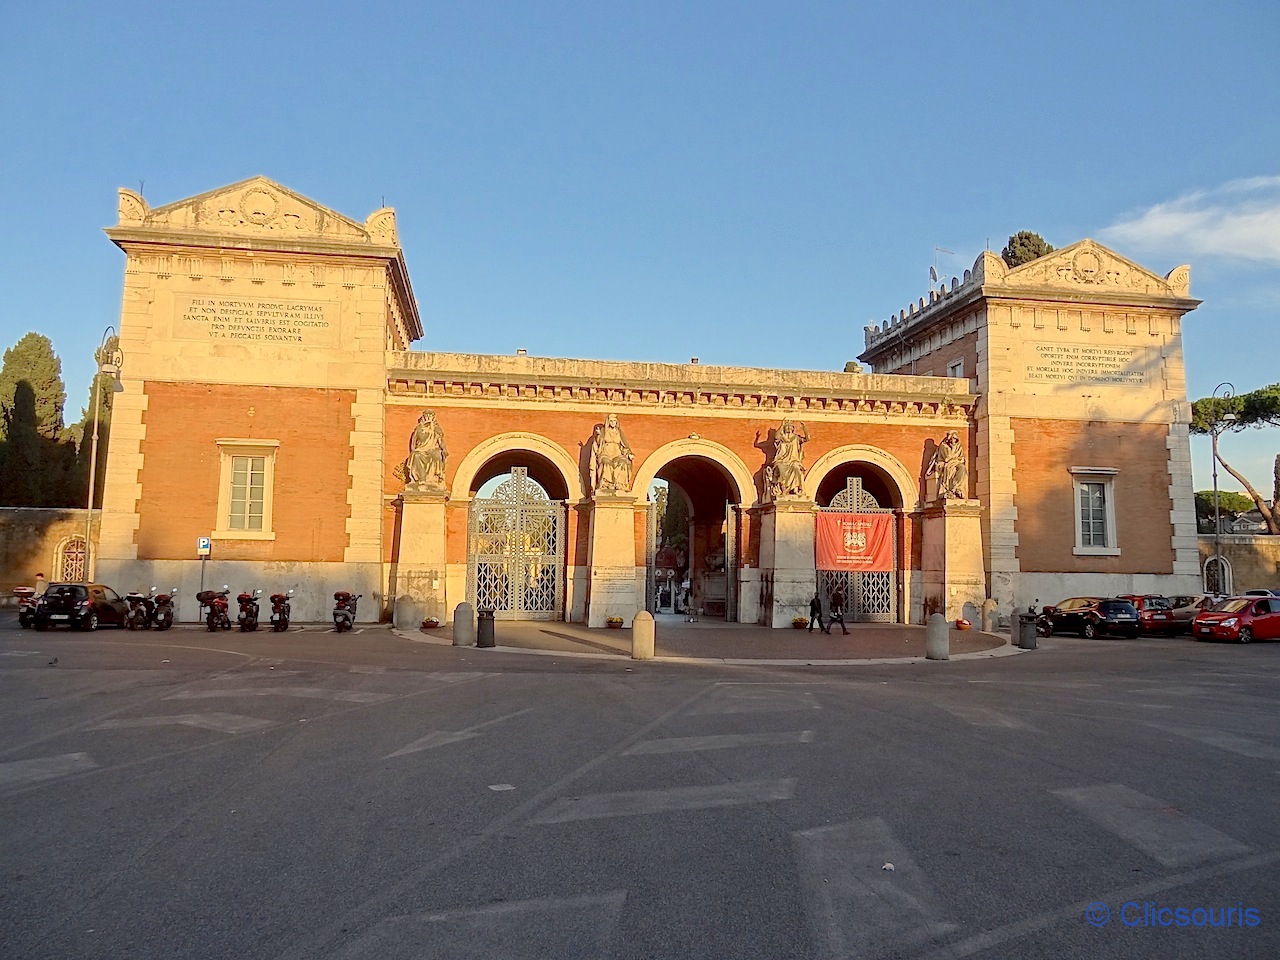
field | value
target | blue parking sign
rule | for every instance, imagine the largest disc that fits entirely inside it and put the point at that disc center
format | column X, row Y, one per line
column 203, row 545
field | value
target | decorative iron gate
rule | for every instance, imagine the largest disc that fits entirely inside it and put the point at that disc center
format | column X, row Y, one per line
column 870, row 597
column 515, row 552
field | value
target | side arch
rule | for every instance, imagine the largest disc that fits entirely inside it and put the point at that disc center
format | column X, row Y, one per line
column 688, row 447
column 486, row 450
column 908, row 486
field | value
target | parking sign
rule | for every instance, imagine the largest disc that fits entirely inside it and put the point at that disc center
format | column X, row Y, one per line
column 203, row 545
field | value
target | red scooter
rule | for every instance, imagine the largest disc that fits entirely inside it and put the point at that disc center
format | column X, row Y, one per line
column 26, row 605
column 248, row 617
column 280, row 611
column 344, row 610
column 216, row 601
column 163, row 615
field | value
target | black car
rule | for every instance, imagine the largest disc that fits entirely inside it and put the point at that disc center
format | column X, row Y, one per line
column 85, row 606
column 1092, row 616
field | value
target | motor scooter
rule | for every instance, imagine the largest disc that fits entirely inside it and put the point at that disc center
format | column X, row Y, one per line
column 26, row 606
column 344, row 610
column 163, row 616
column 280, row 611
column 141, row 609
column 248, row 617
column 216, row 601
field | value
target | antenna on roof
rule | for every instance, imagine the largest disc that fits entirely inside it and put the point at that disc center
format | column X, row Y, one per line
column 140, row 184
column 933, row 270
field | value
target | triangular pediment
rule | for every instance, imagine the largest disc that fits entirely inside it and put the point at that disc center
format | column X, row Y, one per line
column 257, row 207
column 1086, row 265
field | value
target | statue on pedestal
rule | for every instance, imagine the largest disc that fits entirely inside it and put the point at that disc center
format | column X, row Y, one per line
column 425, row 467
column 950, row 466
column 611, row 458
column 785, row 476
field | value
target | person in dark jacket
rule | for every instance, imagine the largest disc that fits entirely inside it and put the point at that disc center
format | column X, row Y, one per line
column 815, row 614
column 837, row 611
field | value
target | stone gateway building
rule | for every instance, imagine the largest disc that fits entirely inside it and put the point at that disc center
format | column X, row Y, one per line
column 1023, row 436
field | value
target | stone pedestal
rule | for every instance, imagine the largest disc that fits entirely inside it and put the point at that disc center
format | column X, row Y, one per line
column 786, row 556
column 613, row 589
column 420, row 573
column 951, row 555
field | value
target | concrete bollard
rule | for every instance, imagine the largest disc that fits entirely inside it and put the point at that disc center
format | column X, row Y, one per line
column 643, row 630
column 989, row 615
column 464, row 625
column 937, row 641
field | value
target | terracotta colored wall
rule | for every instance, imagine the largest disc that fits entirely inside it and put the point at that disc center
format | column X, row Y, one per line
column 181, row 468
column 1044, row 450
column 934, row 364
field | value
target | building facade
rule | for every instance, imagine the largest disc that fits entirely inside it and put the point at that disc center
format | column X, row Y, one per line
column 1023, row 433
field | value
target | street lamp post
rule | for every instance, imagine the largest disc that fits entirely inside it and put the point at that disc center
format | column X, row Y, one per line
column 1218, row 421
column 107, row 363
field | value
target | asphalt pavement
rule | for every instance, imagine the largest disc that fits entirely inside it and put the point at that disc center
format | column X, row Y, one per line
column 376, row 794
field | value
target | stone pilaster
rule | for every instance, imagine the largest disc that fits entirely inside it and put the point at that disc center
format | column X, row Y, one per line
column 613, row 589
column 420, row 578
column 951, row 554
column 786, row 556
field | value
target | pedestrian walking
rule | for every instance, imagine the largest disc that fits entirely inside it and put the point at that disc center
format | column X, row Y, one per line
column 815, row 613
column 837, row 610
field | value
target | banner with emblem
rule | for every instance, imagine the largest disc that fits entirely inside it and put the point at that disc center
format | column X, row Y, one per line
column 857, row 542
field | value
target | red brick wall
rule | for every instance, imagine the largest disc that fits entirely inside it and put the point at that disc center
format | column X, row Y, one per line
column 180, row 474
column 934, row 364
column 1044, row 451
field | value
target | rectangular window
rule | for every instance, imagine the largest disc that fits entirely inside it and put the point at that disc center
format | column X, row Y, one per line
column 955, row 369
column 1095, row 511
column 246, row 478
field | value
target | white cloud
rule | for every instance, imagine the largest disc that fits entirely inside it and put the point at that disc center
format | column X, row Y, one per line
column 1239, row 220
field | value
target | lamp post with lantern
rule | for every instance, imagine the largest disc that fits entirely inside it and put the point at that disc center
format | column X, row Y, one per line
column 109, row 359
column 1228, row 391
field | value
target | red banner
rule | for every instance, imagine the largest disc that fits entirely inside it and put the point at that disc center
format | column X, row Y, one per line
column 855, row 541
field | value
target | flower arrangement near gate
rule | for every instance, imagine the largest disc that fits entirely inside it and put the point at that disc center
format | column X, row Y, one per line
column 614, row 623
column 799, row 622
column 430, row 623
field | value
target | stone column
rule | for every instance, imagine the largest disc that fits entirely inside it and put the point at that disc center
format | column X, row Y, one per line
column 786, row 555
column 612, row 583
column 420, row 573
column 951, row 555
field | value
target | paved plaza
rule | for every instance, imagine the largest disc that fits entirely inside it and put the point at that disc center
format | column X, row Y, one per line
column 384, row 795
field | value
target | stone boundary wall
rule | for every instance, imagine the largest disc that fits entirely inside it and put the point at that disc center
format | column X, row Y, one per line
column 29, row 538
column 1254, row 559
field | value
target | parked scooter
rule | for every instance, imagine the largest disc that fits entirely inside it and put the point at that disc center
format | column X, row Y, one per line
column 1044, row 625
column 248, row 610
column 142, row 608
column 344, row 610
column 216, row 601
column 26, row 605
column 163, row 616
column 280, row 611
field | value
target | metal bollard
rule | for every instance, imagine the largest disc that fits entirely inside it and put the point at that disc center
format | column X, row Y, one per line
column 937, row 641
column 464, row 625
column 484, row 628
column 643, row 630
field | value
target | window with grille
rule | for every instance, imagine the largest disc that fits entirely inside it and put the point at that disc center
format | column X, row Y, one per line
column 248, row 492
column 1095, row 511
column 246, row 478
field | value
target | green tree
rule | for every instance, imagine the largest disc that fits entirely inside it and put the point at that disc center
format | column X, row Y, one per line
column 32, row 360
column 1023, row 247
column 1230, row 506
column 1258, row 408
column 101, row 399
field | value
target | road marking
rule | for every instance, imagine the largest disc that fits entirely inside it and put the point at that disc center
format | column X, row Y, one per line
column 311, row 693
column 550, row 927
column 1225, row 741
column 739, row 698
column 20, row 653
column 438, row 738
column 1151, row 825
column 43, row 768
column 364, row 669
column 722, row 742
column 855, row 907
column 985, row 717
column 634, row 803
column 221, row 722
column 462, row 676
column 500, row 787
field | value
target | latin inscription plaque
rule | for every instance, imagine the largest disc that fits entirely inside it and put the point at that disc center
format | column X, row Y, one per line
column 258, row 320
column 1084, row 363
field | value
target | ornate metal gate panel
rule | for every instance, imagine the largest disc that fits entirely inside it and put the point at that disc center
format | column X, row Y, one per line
column 731, row 562
column 516, row 552
column 869, row 597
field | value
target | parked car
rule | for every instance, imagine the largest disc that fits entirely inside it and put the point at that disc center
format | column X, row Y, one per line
column 1261, row 593
column 85, row 606
column 1240, row 618
column 1155, row 613
column 1185, row 608
column 1091, row 616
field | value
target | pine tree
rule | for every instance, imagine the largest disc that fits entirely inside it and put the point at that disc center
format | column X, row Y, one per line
column 32, row 361
column 1023, row 247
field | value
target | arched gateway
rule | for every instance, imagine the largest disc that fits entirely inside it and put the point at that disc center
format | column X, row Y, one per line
column 257, row 323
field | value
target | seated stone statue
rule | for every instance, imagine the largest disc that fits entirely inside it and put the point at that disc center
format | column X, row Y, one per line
column 425, row 466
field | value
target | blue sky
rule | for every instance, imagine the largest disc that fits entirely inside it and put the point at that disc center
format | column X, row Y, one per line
column 747, row 183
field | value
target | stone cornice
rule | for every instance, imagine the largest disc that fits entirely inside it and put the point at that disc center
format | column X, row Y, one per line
column 662, row 386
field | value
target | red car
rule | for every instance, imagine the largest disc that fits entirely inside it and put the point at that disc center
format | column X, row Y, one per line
column 1155, row 613
column 1240, row 618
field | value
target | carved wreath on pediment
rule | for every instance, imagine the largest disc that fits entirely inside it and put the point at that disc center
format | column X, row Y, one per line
column 259, row 206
